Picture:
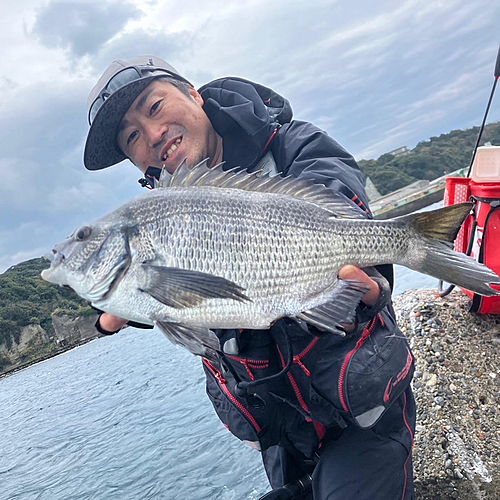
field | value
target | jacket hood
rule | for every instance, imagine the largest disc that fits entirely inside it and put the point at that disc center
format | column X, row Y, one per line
column 245, row 115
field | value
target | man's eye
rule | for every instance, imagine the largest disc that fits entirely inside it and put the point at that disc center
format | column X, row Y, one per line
column 154, row 107
column 131, row 137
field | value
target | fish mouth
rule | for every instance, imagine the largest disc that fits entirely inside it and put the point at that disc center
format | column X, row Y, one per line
column 56, row 259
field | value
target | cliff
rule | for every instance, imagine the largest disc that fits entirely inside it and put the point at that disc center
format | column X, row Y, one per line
column 38, row 319
column 35, row 344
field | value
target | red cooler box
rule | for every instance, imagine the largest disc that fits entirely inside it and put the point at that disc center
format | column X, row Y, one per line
column 483, row 227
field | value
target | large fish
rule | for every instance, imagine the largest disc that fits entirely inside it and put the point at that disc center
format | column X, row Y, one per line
column 227, row 249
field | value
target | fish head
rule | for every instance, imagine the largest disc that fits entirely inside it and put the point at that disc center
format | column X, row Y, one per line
column 90, row 261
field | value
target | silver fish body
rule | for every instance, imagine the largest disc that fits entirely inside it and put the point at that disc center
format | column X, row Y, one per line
column 274, row 245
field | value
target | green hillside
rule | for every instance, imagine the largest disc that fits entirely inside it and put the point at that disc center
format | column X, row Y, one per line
column 429, row 159
column 26, row 299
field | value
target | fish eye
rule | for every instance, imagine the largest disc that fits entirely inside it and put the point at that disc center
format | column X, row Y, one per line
column 83, row 233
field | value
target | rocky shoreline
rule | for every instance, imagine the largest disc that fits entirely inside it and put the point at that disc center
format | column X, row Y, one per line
column 35, row 344
column 457, row 391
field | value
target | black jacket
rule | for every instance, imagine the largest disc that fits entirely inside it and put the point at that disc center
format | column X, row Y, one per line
column 246, row 114
column 333, row 382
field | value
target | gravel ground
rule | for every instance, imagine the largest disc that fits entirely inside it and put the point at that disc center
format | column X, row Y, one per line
column 457, row 390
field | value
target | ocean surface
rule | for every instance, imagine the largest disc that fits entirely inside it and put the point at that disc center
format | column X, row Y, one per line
column 125, row 417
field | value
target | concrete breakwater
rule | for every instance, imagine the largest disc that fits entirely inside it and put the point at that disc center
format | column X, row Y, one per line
column 413, row 197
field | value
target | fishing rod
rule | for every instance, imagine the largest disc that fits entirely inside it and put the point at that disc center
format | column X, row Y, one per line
column 495, row 81
column 444, row 292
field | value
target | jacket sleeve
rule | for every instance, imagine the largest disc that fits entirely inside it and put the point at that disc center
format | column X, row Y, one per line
column 308, row 152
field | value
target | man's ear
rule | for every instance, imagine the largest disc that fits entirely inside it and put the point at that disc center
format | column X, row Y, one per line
column 196, row 96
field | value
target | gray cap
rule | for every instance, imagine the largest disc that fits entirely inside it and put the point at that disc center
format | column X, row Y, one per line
column 110, row 99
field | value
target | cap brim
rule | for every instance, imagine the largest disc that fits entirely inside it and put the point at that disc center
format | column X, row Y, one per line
column 101, row 149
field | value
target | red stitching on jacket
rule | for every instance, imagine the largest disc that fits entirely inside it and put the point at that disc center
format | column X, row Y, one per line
column 382, row 322
column 298, row 358
column 307, row 350
column 261, row 362
column 411, row 448
column 255, row 364
column 360, row 204
column 273, row 135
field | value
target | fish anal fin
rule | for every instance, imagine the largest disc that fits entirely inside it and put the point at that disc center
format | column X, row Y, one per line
column 183, row 288
column 341, row 309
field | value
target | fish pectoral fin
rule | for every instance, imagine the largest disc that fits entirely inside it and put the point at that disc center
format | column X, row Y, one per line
column 197, row 339
column 181, row 288
column 341, row 309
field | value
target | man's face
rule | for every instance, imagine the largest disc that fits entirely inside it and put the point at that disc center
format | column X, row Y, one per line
column 163, row 126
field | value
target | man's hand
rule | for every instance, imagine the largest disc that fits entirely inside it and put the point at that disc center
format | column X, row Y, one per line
column 354, row 273
column 370, row 298
column 110, row 323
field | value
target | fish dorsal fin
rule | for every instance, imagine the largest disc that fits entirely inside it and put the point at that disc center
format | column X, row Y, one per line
column 237, row 178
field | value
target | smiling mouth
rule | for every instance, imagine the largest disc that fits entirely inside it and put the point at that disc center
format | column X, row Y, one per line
column 172, row 149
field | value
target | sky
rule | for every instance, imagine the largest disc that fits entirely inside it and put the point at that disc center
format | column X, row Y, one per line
column 374, row 75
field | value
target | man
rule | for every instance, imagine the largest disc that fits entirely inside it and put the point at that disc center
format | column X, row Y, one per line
column 338, row 410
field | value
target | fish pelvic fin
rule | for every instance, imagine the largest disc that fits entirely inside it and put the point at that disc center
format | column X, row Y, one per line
column 183, row 288
column 197, row 339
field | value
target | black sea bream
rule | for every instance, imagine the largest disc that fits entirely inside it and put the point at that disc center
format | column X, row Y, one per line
column 210, row 248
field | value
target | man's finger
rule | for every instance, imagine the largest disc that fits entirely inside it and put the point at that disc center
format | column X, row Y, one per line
column 111, row 323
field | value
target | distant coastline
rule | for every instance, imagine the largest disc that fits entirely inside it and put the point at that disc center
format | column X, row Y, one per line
column 412, row 198
column 46, row 357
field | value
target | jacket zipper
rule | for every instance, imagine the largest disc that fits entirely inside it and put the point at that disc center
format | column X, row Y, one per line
column 295, row 386
column 223, row 384
column 298, row 358
column 366, row 333
column 251, row 364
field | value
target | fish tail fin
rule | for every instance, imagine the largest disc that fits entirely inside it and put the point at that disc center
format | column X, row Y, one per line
column 443, row 224
column 432, row 251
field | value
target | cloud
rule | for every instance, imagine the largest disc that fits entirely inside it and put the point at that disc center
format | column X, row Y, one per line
column 374, row 75
column 80, row 26
column 21, row 242
column 45, row 191
column 173, row 47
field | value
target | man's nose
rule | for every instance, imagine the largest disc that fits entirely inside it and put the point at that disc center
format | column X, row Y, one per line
column 155, row 134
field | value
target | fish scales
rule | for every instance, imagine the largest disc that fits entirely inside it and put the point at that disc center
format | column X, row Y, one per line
column 368, row 242
column 275, row 250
